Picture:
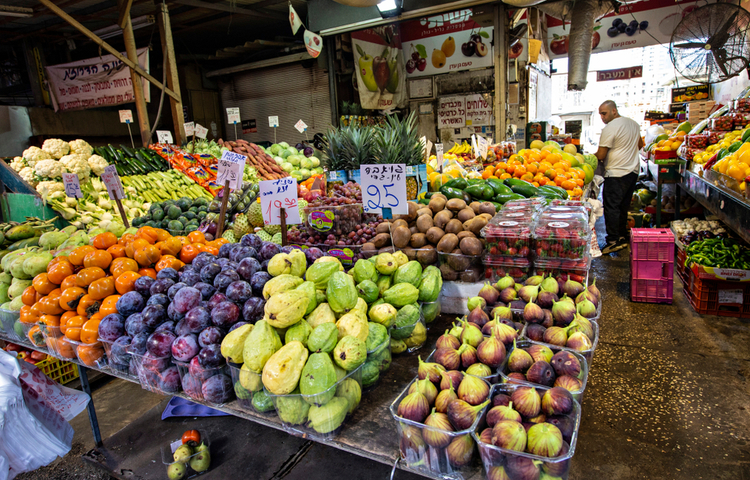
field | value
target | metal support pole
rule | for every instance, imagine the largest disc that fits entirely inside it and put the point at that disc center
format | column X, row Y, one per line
column 501, row 73
column 82, row 372
column 332, row 90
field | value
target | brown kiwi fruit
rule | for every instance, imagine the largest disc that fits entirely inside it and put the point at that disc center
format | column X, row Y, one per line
column 399, row 223
column 368, row 247
column 401, row 236
column 434, row 235
column 384, row 227
column 454, row 226
column 427, row 255
column 424, row 211
column 455, row 204
column 424, row 223
column 442, row 218
column 448, row 273
column 475, row 206
column 413, row 229
column 410, row 253
column 471, row 246
column 448, row 243
column 475, row 225
column 437, row 204
column 381, row 240
column 466, row 214
column 458, row 260
column 486, row 207
column 464, row 234
column 486, row 216
column 418, row 240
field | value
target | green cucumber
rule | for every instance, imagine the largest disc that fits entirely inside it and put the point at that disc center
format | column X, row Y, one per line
column 527, row 190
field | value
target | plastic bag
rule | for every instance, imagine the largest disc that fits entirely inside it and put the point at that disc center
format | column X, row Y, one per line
column 65, row 401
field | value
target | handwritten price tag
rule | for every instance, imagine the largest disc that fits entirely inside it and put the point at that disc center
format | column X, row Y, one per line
column 126, row 116
column 72, row 185
column 278, row 194
column 384, row 186
column 189, row 128
column 164, row 136
column 200, row 131
column 233, row 115
column 231, row 166
column 273, row 121
column 482, row 145
column 111, row 180
column 439, row 155
column 300, row 126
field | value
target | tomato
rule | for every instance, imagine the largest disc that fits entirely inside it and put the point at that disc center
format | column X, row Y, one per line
column 85, row 277
column 102, row 288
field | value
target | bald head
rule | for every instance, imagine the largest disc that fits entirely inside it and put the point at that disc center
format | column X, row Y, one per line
column 608, row 111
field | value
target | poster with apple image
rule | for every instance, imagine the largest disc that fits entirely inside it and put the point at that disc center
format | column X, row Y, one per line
column 381, row 79
column 637, row 25
column 445, row 43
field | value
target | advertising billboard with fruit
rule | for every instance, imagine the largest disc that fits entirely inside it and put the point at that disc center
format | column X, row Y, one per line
column 381, row 79
column 637, row 25
column 445, row 43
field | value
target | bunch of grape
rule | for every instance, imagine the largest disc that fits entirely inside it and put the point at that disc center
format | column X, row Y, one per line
column 339, row 195
column 361, row 234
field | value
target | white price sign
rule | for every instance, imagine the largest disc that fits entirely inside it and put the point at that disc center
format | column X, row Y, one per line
column 278, row 194
column 126, row 116
column 273, row 121
column 189, row 128
column 384, row 186
column 111, row 180
column 482, row 145
column 72, row 185
column 439, row 155
column 300, row 126
column 200, row 131
column 231, row 166
column 164, row 136
column 730, row 296
column 233, row 115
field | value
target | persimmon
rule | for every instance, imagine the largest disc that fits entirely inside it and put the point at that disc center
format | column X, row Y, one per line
column 59, row 271
column 188, row 253
column 70, row 298
column 85, row 277
column 170, row 246
column 148, row 233
column 168, row 261
column 162, row 235
column 126, row 282
column 90, row 331
column 89, row 355
column 42, row 284
column 102, row 288
column 64, row 320
column 104, row 240
column 147, row 272
column 147, row 256
column 77, row 255
column 97, row 258
column 28, row 297
column 134, row 246
column 109, row 305
column 196, row 236
column 117, row 251
column 50, row 306
column 70, row 281
column 88, row 306
column 122, row 265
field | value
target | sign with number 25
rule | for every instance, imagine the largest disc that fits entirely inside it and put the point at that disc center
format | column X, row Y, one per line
column 384, row 186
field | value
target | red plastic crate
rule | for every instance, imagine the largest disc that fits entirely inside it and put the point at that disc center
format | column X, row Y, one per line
column 680, row 266
column 716, row 297
column 652, row 244
column 651, row 291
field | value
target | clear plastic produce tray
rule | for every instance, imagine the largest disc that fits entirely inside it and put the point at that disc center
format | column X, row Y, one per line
column 498, row 266
column 200, row 385
column 587, row 354
column 562, row 235
column 248, row 384
column 509, row 237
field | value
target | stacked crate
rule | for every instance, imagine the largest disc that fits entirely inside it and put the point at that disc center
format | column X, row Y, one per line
column 651, row 265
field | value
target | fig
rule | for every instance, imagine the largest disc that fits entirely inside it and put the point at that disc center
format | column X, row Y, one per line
column 584, row 308
column 479, row 370
column 414, row 407
column 528, row 293
column 426, row 388
column 563, row 312
column 411, row 442
column 473, row 390
column 497, row 473
column 433, row 436
column 460, row 451
column 471, row 334
column 462, row 415
column 447, row 340
column 429, row 370
column 501, row 312
column 486, row 436
column 565, row 423
column 579, row 342
column 534, row 280
column 508, row 295
column 519, row 360
column 478, row 316
column 449, row 358
column 505, row 282
column 499, row 413
column 565, row 363
column 475, row 302
column 457, row 329
column 592, row 289
column 500, row 400
column 533, row 313
column 526, row 401
column 535, row 332
column 586, row 295
column 444, row 398
column 548, row 320
column 506, row 334
column 581, row 324
column 546, row 299
column 541, row 373
column 510, row 435
column 450, row 378
column 557, row 401
column 566, row 298
column 558, row 469
column 540, row 353
column 556, row 336
column 516, row 377
column 468, row 355
column 569, row 383
column 491, row 352
column 549, row 285
column 489, row 293
column 522, row 468
column 545, row 440
column 538, row 419
column 571, row 288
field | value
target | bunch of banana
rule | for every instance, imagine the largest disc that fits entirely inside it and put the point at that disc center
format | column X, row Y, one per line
column 461, row 148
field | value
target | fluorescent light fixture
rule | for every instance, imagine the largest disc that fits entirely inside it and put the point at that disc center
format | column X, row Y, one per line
column 390, row 8
column 11, row 11
column 115, row 30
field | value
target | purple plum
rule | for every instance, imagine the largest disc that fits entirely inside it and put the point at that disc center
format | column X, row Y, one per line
column 201, row 260
column 192, row 386
column 216, row 299
column 206, row 289
column 118, row 353
column 186, row 299
column 247, row 268
column 112, row 326
column 241, row 253
column 169, row 380
column 168, row 273
column 133, row 367
column 153, row 315
column 173, row 314
column 252, row 311
column 134, row 324
column 150, row 361
column 167, row 326
column 185, row 347
column 264, row 265
column 239, row 291
column 226, row 249
column 236, row 326
column 210, row 356
column 223, row 262
column 312, row 254
column 225, row 314
column 217, row 389
column 162, row 285
column 143, row 285
column 258, row 281
column 130, row 303
column 174, row 289
column 223, row 279
column 286, row 249
column 251, row 240
column 197, row 371
column 160, row 344
column 229, row 266
column 181, row 328
column 190, row 278
column 209, row 272
column 210, row 336
column 158, row 299
column 268, row 250
column 197, row 319
column 138, row 343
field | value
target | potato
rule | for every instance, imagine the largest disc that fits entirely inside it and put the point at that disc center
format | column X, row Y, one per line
column 399, row 223
column 464, row 234
column 437, row 204
column 454, row 226
column 410, row 253
column 485, row 207
column 442, row 218
column 384, row 227
column 418, row 240
column 434, row 235
column 427, row 255
column 424, row 223
column 455, row 204
column 448, row 273
column 466, row 214
column 475, row 207
column 471, row 246
column 475, row 225
column 400, row 236
column 424, row 211
column 448, row 243
column 381, row 240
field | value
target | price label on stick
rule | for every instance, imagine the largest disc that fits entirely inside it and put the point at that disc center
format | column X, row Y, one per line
column 164, row 136
column 111, row 180
column 200, row 131
column 300, row 126
column 233, row 115
column 189, row 128
column 384, row 186
column 278, row 194
column 483, row 145
column 273, row 121
column 126, row 116
column 231, row 166
column 439, row 155
column 72, row 185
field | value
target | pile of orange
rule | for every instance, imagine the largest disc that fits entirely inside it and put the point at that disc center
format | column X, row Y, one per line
column 540, row 167
column 77, row 291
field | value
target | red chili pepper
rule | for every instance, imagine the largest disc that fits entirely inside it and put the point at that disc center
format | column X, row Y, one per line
column 191, row 437
column 711, row 161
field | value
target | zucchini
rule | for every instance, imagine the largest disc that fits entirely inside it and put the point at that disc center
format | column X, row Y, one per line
column 128, row 151
column 527, row 190
column 501, row 199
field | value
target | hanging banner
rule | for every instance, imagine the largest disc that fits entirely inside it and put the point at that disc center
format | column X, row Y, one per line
column 381, row 79
column 294, row 20
column 313, row 43
column 95, row 82
column 637, row 25
column 448, row 42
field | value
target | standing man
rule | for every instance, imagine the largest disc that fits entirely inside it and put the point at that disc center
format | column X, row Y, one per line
column 619, row 145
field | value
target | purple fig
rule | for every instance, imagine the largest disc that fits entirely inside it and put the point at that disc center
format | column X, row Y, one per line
column 565, row 363
column 491, row 352
column 534, row 280
column 572, row 288
column 538, row 419
column 444, row 398
column 462, row 415
column 508, row 295
column 510, row 435
column 499, row 413
column 496, row 473
column 471, row 334
column 501, row 400
column 541, row 373
column 592, row 288
column 486, row 436
column 429, row 370
column 447, row 340
column 451, row 378
column 475, row 302
column 414, row 407
column 533, row 313
column 478, row 316
column 546, row 299
column 529, row 293
column 558, row 469
column 569, row 383
column 540, row 353
column 565, row 423
column 563, row 313
column 585, row 308
column 449, row 357
column 460, row 451
column 548, row 320
column 516, row 377
column 507, row 335
column 526, row 401
column 587, row 295
column 479, row 370
column 579, row 342
column 581, row 324
column 549, row 285
column 545, row 440
column 489, row 293
column 501, row 312
column 517, row 304
column 556, row 336
column 434, row 437
column 557, row 401
column 426, row 388
column 505, row 282
column 535, row 332
column 473, row 390
column 522, row 468
column 468, row 355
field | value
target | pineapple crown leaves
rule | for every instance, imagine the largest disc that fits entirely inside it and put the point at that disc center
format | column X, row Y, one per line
column 348, row 148
column 398, row 141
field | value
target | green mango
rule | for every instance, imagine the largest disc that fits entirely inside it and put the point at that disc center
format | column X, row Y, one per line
column 318, row 378
column 411, row 273
column 16, row 268
column 330, row 416
column 368, row 291
column 17, row 287
column 401, row 294
column 36, row 263
column 341, row 292
column 20, row 232
column 4, row 293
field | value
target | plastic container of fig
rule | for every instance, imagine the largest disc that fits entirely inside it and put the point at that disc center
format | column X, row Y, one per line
column 294, row 409
column 587, row 354
column 504, row 372
column 167, row 455
column 156, row 374
column 460, row 267
column 561, row 268
column 446, row 456
column 562, row 235
column 208, row 385
column 504, row 463
column 413, row 336
column 509, row 236
column 492, row 378
column 378, row 361
column 498, row 266
column 339, row 219
column 248, row 388
column 118, row 357
column 430, row 310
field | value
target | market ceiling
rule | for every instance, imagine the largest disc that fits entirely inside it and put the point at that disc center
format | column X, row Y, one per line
column 202, row 29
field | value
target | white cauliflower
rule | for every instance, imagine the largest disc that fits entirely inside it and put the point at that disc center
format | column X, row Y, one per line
column 33, row 155
column 56, row 148
column 47, row 188
column 97, row 164
column 28, row 175
column 81, row 147
column 49, row 168
column 75, row 163
column 18, row 164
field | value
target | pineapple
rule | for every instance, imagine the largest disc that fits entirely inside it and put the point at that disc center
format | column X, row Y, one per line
column 241, row 226
column 255, row 215
column 398, row 142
